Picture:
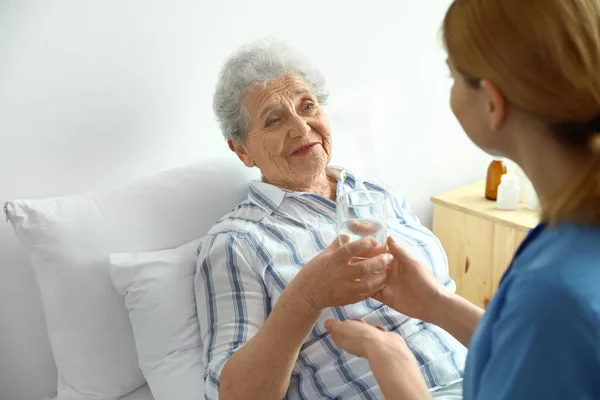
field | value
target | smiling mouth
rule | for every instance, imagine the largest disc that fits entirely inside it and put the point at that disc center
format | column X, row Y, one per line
column 304, row 150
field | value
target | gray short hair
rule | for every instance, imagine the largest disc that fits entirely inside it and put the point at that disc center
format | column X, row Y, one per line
column 259, row 63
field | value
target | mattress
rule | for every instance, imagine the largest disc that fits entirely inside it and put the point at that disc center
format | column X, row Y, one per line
column 142, row 393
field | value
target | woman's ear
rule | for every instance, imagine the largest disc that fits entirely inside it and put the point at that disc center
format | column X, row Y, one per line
column 497, row 107
column 242, row 153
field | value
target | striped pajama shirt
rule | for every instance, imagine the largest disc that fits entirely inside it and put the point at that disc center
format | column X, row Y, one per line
column 249, row 257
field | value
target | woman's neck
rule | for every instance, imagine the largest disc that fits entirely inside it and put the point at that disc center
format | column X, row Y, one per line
column 549, row 165
column 320, row 184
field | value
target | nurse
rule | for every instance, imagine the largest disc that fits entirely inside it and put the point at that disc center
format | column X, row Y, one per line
column 526, row 87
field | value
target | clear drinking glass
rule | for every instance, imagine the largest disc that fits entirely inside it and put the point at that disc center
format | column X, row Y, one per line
column 362, row 214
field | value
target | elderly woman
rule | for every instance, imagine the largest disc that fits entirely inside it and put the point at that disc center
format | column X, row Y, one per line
column 267, row 279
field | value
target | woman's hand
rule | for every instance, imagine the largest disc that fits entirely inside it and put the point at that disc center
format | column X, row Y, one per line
column 411, row 288
column 334, row 278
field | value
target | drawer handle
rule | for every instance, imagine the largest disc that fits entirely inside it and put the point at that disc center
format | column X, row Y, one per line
column 467, row 265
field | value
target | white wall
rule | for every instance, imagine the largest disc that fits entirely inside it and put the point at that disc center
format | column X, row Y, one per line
column 99, row 92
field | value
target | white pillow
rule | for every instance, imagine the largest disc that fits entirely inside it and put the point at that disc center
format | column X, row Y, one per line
column 159, row 295
column 142, row 393
column 69, row 241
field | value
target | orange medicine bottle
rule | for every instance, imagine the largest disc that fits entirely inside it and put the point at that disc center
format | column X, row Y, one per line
column 495, row 171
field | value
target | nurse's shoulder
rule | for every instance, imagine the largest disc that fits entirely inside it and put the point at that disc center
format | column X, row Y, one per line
column 566, row 260
column 545, row 320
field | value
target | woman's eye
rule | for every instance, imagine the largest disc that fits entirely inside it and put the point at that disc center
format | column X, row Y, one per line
column 272, row 121
column 309, row 106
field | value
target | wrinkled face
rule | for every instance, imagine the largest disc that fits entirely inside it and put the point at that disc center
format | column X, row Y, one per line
column 289, row 136
column 480, row 111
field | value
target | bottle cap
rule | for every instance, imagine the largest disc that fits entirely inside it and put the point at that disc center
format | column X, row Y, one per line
column 510, row 179
column 498, row 158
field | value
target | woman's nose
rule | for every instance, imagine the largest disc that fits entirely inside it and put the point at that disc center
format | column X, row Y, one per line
column 299, row 127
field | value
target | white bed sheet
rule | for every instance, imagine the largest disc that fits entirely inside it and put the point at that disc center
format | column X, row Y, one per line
column 142, row 393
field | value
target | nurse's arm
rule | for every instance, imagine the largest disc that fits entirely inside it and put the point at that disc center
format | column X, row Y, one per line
column 393, row 364
column 457, row 316
column 397, row 373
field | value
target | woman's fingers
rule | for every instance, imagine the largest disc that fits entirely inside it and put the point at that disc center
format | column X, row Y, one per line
column 375, row 251
column 369, row 276
column 337, row 243
column 384, row 294
column 345, row 253
column 343, row 240
column 369, row 285
column 363, row 228
column 375, row 265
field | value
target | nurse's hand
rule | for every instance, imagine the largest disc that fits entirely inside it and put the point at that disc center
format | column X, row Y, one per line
column 358, row 338
column 411, row 288
column 387, row 354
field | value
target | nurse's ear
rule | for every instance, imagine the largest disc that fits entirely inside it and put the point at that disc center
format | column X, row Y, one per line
column 242, row 153
column 496, row 105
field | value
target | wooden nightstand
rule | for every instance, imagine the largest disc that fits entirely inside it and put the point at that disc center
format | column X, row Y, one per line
column 479, row 239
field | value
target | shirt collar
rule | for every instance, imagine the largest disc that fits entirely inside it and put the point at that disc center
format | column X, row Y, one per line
column 266, row 196
column 269, row 197
column 346, row 181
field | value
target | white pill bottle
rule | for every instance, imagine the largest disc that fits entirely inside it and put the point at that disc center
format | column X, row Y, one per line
column 509, row 192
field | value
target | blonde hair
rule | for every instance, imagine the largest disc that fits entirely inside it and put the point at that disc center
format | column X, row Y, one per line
column 544, row 56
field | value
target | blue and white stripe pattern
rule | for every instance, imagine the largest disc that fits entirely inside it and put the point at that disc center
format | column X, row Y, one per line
column 250, row 256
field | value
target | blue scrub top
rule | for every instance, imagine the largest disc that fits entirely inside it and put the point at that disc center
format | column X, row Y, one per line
column 540, row 335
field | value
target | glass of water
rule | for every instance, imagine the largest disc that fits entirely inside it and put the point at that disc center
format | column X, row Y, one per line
column 362, row 214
